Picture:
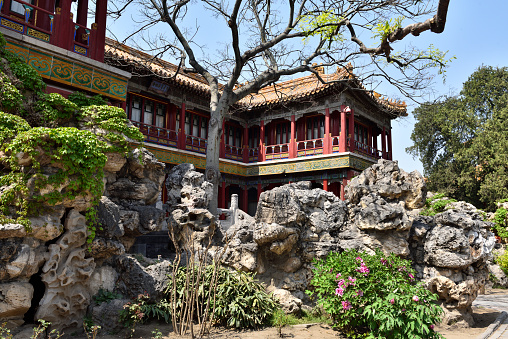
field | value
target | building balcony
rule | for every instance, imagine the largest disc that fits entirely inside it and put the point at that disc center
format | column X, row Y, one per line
column 55, row 25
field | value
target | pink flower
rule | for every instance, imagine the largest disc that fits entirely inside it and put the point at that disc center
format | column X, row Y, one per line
column 363, row 269
column 352, row 279
column 392, row 301
column 346, row 305
column 383, row 261
column 431, row 326
column 415, row 298
column 359, row 293
column 341, row 282
column 338, row 275
column 339, row 291
column 411, row 276
column 359, row 259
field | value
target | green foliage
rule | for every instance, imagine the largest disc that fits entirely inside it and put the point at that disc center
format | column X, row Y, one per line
column 375, row 296
column 324, row 24
column 281, row 319
column 105, row 296
column 29, row 79
column 10, row 97
column 80, row 155
column 55, row 109
column 436, row 204
column 114, row 121
column 383, row 29
column 10, row 126
column 240, row 301
column 502, row 261
column 462, row 141
column 141, row 309
column 501, row 224
column 82, row 100
column 5, row 333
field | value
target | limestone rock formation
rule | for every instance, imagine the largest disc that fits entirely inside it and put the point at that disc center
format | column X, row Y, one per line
column 65, row 275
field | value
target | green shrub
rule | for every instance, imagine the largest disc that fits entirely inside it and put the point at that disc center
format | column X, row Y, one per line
column 105, row 296
column 502, row 261
column 55, row 109
column 140, row 309
column 501, row 223
column 10, row 97
column 374, row 295
column 82, row 100
column 436, row 204
column 240, row 301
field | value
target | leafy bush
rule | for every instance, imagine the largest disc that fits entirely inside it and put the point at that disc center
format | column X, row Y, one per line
column 105, row 296
column 55, row 109
column 82, row 100
column 141, row 309
column 240, row 301
column 502, row 261
column 436, row 204
column 374, row 295
column 501, row 223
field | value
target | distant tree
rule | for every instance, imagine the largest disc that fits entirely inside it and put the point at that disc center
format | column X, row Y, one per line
column 462, row 141
column 269, row 40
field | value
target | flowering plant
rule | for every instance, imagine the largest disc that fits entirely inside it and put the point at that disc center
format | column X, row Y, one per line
column 374, row 296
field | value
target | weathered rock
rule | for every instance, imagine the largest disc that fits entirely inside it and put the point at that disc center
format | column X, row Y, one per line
column 289, row 303
column 143, row 190
column 115, row 162
column 65, row 275
column 389, row 182
column 15, row 300
column 108, row 217
column 500, row 277
column 187, row 187
column 134, row 279
column 104, row 278
column 107, row 315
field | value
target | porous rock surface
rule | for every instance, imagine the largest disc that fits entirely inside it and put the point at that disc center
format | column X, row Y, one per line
column 295, row 224
column 56, row 249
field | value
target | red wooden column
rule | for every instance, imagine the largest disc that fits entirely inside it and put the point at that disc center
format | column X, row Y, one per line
column 100, row 27
column 181, row 128
column 383, row 142
column 327, row 140
column 43, row 19
column 342, row 136
column 6, row 7
column 222, row 202
column 325, row 184
column 63, row 26
column 292, row 141
column 123, row 105
column 260, row 190
column 389, row 137
column 245, row 199
column 261, row 151
column 82, row 12
column 352, row 131
column 222, row 150
column 246, row 144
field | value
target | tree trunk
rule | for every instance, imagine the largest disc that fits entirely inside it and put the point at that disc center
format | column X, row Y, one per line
column 212, row 173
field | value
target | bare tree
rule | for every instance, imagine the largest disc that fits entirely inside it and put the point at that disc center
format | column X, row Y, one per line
column 270, row 40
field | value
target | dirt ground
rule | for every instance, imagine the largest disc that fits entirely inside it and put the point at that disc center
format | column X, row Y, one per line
column 482, row 316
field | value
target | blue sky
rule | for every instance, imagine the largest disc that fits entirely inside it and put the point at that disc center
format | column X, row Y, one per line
column 474, row 34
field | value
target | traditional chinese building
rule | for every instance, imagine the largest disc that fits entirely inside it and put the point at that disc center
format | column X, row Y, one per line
column 57, row 40
column 300, row 129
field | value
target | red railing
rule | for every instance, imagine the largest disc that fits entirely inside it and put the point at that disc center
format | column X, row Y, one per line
column 45, row 25
column 253, row 154
column 195, row 144
column 335, row 144
column 274, row 152
column 309, row 147
column 158, row 135
column 234, row 152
